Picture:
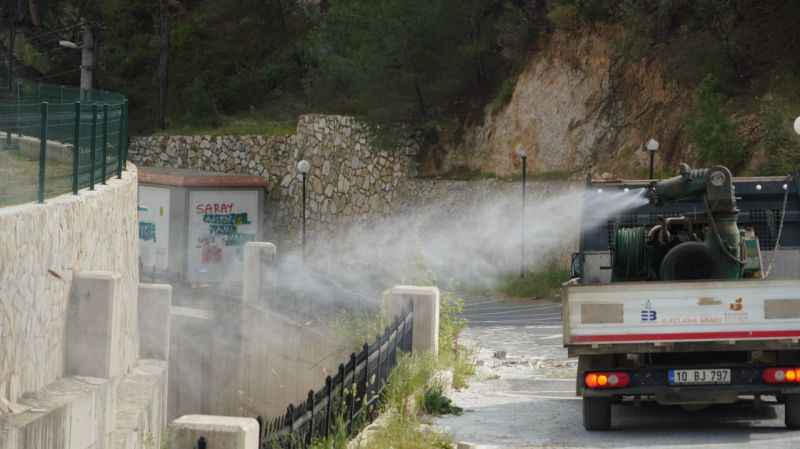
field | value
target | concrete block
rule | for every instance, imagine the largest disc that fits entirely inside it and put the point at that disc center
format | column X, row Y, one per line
column 94, row 326
column 220, row 432
column 141, row 404
column 425, row 301
column 71, row 413
column 257, row 280
column 155, row 301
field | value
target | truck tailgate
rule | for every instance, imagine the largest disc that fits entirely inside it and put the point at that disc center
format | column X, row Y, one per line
column 653, row 312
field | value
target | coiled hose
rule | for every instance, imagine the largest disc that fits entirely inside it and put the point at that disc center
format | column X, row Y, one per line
column 630, row 254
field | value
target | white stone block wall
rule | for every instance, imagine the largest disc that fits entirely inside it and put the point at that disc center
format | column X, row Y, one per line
column 41, row 247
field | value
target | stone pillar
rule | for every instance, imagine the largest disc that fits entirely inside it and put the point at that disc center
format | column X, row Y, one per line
column 259, row 260
column 155, row 301
column 219, row 432
column 426, row 314
column 94, row 326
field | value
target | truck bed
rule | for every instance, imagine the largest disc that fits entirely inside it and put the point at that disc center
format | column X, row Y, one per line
column 598, row 318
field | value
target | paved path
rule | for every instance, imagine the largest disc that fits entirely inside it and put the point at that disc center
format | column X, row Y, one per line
column 527, row 400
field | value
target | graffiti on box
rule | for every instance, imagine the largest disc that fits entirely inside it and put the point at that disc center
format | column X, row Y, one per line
column 223, row 230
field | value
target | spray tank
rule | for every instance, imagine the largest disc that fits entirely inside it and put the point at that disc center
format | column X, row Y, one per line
column 707, row 245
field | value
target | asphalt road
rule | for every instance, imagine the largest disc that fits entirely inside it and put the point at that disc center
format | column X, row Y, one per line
column 527, row 399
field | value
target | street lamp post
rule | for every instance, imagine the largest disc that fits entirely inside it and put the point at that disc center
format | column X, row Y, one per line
column 304, row 167
column 524, row 157
column 652, row 147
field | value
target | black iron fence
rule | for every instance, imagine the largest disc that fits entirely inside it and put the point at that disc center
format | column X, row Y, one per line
column 349, row 400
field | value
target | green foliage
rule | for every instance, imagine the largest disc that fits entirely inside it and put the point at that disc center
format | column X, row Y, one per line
column 434, row 402
column 407, row 382
column 505, row 94
column 712, row 131
column 399, row 433
column 536, row 284
column 564, row 16
column 779, row 142
column 338, row 438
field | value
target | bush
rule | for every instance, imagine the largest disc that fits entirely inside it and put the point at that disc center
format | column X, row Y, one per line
column 564, row 16
column 712, row 131
column 434, row 402
column 778, row 140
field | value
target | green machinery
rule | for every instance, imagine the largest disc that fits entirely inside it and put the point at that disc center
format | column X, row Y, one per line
column 708, row 245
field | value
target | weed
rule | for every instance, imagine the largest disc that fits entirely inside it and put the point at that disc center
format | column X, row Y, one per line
column 408, row 434
column 434, row 402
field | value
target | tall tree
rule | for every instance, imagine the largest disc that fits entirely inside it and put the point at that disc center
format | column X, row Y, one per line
column 163, row 62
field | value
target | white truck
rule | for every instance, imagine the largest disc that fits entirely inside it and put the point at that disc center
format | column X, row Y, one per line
column 690, row 300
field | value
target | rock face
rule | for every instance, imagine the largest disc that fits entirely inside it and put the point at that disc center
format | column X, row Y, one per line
column 349, row 178
column 578, row 108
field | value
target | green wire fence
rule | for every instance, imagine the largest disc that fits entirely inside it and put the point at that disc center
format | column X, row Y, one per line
column 58, row 139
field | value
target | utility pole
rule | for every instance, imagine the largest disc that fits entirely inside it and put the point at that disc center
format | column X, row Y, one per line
column 87, row 61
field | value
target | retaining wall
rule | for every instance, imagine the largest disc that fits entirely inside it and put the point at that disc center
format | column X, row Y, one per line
column 41, row 248
column 350, row 177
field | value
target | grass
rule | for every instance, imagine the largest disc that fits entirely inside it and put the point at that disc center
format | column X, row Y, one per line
column 19, row 177
column 435, row 403
column 539, row 285
column 236, row 126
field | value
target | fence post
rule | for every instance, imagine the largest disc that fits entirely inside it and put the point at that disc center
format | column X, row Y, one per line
column 19, row 105
column 328, row 405
column 125, row 134
column 260, row 429
column 62, row 94
column 201, row 443
column 351, row 400
column 341, row 390
column 42, row 151
column 93, row 148
column 290, row 414
column 103, row 157
column 120, row 161
column 310, row 409
column 76, row 152
column 364, row 381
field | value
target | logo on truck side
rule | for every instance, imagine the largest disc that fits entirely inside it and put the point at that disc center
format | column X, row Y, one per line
column 648, row 313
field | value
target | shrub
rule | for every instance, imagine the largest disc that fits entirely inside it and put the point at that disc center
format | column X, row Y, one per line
column 712, row 131
column 434, row 402
column 564, row 16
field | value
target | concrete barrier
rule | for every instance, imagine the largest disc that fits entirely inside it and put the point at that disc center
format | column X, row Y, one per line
column 95, row 326
column 155, row 301
column 425, row 301
column 219, row 432
column 259, row 258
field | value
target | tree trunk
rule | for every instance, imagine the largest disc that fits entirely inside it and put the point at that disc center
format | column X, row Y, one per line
column 163, row 63
column 422, row 109
column 33, row 7
column 12, row 37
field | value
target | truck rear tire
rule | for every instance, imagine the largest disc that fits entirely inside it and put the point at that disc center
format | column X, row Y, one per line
column 792, row 411
column 597, row 413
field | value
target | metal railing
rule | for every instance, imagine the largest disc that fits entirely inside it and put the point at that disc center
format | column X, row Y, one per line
column 58, row 139
column 348, row 401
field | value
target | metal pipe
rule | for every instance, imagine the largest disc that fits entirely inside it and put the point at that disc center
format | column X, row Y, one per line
column 523, row 267
column 304, row 217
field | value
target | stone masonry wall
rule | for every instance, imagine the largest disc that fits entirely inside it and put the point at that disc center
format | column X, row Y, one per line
column 41, row 247
column 349, row 178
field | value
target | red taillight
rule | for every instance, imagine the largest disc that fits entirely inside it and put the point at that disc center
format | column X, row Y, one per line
column 781, row 375
column 610, row 379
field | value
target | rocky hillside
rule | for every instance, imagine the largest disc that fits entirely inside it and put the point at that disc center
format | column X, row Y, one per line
column 574, row 110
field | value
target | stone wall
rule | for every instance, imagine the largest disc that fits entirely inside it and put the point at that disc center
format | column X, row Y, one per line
column 41, row 248
column 349, row 177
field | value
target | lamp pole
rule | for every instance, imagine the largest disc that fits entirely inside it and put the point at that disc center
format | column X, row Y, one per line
column 652, row 147
column 524, row 157
column 304, row 167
